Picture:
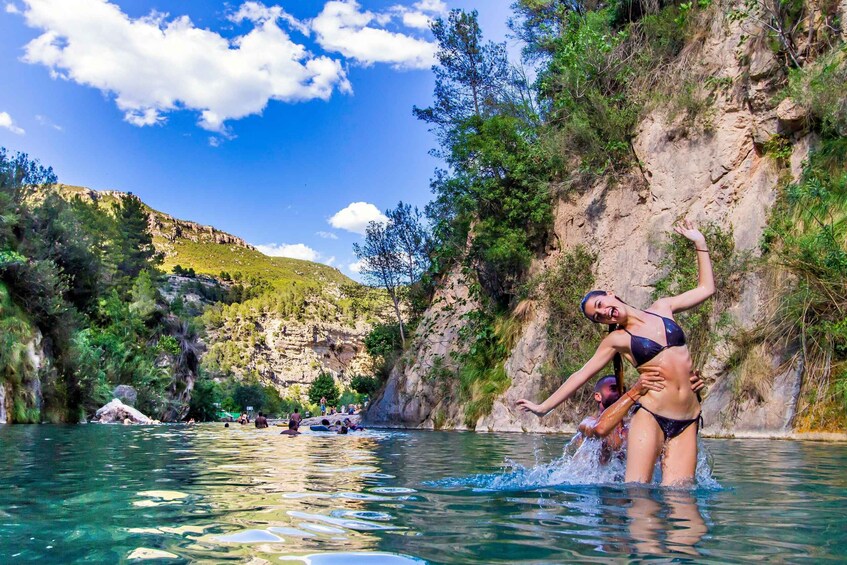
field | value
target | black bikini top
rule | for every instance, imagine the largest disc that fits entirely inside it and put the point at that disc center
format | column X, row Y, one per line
column 644, row 348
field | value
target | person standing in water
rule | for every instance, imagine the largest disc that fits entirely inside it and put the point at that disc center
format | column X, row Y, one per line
column 609, row 422
column 665, row 422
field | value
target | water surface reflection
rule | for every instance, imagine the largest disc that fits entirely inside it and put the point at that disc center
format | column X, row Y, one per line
column 214, row 494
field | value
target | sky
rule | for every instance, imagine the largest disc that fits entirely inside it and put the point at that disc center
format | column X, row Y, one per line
column 288, row 124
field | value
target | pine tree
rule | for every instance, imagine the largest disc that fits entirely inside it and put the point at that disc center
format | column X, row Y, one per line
column 134, row 245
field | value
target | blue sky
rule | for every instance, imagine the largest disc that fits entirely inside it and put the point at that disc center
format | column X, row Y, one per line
column 265, row 120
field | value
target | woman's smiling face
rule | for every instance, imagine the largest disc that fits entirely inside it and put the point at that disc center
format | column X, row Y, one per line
column 605, row 309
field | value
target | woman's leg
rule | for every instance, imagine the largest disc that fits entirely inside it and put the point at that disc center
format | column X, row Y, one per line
column 644, row 444
column 680, row 459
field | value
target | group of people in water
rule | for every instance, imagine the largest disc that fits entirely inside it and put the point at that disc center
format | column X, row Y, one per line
column 663, row 403
column 294, row 421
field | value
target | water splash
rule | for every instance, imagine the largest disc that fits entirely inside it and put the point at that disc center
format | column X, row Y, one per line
column 579, row 465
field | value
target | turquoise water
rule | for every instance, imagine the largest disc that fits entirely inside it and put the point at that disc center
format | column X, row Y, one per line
column 110, row 494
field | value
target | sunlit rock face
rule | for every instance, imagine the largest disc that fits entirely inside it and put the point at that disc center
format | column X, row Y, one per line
column 713, row 173
column 116, row 412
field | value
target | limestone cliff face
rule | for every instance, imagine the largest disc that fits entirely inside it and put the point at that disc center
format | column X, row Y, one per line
column 290, row 353
column 715, row 173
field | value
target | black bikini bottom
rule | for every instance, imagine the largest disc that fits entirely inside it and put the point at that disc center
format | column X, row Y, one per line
column 670, row 427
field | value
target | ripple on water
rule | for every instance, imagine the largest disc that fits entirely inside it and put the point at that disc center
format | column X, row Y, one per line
column 393, row 490
column 357, row 525
column 363, row 515
column 250, row 536
column 360, row 558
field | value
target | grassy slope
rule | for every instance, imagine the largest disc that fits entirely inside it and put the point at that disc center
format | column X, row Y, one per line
column 212, row 258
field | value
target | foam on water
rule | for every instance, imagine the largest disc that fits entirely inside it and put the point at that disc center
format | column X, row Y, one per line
column 578, row 465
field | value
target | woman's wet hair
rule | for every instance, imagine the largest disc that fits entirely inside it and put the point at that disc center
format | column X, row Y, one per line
column 617, row 360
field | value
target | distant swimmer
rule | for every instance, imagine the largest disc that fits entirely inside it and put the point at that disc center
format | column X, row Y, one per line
column 296, row 417
column 261, row 421
column 293, row 429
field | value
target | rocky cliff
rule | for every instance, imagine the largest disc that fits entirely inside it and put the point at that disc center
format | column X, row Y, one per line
column 715, row 171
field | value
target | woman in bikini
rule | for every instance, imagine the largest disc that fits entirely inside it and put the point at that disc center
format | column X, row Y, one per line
column 667, row 411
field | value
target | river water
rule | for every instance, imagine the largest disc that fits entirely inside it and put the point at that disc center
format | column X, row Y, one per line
column 209, row 494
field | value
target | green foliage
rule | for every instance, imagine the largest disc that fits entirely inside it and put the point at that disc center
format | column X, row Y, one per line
column 482, row 375
column 169, row 344
column 571, row 339
column 189, row 272
column 779, row 148
column 365, row 384
column 819, row 88
column 134, row 242
column 206, row 394
column 807, row 237
column 702, row 323
column 324, row 387
column 249, row 393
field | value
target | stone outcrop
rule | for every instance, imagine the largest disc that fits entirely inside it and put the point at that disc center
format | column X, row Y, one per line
column 163, row 226
column 116, row 412
column 291, row 353
column 125, row 394
column 711, row 174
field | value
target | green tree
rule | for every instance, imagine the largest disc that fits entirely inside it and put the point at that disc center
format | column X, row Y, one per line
column 470, row 77
column 205, row 395
column 382, row 265
column 249, row 394
column 364, row 384
column 324, row 387
column 134, row 246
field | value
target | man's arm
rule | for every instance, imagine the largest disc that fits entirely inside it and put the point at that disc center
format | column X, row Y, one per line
column 614, row 414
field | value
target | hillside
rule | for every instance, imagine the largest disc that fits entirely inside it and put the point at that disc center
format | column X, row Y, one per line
column 276, row 320
column 210, row 251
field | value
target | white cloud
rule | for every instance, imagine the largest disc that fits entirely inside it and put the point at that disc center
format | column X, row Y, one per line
column 215, row 141
column 155, row 64
column 12, row 9
column 329, row 261
column 290, row 250
column 7, row 122
column 47, row 122
column 343, row 27
column 421, row 14
column 356, row 267
column 356, row 217
column 326, row 235
column 258, row 13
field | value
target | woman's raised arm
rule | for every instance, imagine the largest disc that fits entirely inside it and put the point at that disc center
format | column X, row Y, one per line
column 706, row 280
column 605, row 352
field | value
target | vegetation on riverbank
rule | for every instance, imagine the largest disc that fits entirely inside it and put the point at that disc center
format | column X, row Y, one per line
column 81, row 302
column 512, row 148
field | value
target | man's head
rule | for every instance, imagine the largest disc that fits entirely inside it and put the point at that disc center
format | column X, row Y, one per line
column 296, row 410
column 606, row 391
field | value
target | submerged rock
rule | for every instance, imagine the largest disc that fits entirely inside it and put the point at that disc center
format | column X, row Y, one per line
column 116, row 412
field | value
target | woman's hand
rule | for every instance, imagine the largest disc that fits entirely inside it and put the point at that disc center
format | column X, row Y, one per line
column 526, row 406
column 689, row 231
column 647, row 381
